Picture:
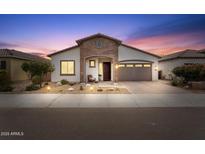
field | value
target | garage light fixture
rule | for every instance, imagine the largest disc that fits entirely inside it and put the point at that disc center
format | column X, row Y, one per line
column 156, row 68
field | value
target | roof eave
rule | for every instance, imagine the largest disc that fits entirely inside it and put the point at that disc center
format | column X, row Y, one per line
column 72, row 47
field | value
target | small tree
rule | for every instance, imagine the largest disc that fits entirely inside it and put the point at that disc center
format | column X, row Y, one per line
column 37, row 68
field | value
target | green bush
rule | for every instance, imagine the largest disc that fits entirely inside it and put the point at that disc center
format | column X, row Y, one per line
column 194, row 72
column 4, row 78
column 5, row 83
column 178, row 81
column 32, row 87
column 72, row 83
column 202, row 74
column 36, row 80
column 6, row 88
column 63, row 82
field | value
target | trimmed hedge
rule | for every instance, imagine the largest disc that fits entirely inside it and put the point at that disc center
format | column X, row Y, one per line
column 194, row 72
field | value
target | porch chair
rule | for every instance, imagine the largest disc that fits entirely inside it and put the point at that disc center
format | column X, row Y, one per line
column 91, row 78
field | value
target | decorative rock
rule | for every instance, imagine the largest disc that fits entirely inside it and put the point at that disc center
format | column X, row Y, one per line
column 70, row 89
column 88, row 85
column 111, row 89
column 115, row 84
column 82, row 84
column 58, row 84
column 186, row 87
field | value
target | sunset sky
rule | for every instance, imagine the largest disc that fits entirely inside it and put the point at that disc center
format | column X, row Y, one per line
column 159, row 34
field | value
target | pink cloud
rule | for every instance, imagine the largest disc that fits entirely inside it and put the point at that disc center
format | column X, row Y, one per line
column 166, row 44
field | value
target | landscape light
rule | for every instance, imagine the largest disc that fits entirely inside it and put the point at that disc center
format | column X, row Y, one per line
column 48, row 88
column 91, row 88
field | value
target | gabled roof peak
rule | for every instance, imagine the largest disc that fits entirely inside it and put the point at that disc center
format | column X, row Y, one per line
column 97, row 35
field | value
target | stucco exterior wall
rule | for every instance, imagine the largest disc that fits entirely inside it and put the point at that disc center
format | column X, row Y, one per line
column 16, row 72
column 7, row 64
column 72, row 54
column 92, row 71
column 125, row 53
column 167, row 66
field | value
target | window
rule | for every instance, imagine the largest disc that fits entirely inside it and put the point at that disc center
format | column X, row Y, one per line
column 129, row 65
column 67, row 67
column 138, row 65
column 121, row 65
column 147, row 65
column 3, row 65
column 91, row 63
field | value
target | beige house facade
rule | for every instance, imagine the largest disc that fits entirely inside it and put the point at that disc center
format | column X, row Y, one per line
column 106, row 59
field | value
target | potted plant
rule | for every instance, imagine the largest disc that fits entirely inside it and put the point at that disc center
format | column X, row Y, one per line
column 100, row 77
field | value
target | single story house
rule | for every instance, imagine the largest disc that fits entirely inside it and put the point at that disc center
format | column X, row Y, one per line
column 186, row 57
column 106, row 59
column 11, row 61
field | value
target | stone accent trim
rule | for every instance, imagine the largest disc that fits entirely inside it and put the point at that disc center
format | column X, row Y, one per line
column 98, row 47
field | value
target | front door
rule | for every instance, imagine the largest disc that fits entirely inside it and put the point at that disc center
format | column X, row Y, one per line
column 106, row 71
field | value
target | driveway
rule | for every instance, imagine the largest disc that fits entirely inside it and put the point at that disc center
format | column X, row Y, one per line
column 153, row 87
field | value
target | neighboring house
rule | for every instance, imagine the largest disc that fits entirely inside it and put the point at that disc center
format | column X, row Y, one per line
column 186, row 57
column 106, row 59
column 11, row 61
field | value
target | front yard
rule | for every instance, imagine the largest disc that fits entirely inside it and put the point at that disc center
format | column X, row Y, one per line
column 76, row 88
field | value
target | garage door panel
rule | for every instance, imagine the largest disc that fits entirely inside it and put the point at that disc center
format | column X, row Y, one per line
column 135, row 74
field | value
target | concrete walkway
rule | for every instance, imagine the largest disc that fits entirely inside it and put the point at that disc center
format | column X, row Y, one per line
column 100, row 100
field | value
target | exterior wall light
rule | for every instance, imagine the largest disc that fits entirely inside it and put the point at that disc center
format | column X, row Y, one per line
column 156, row 68
column 116, row 66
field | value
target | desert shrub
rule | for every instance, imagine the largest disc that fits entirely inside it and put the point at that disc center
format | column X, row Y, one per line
column 178, row 81
column 190, row 72
column 72, row 83
column 32, row 87
column 63, row 82
column 81, row 87
column 5, row 83
column 36, row 79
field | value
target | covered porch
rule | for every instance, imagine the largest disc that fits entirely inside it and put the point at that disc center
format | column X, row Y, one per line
column 100, row 68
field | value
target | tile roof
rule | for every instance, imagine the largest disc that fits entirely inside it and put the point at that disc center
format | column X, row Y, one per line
column 184, row 54
column 10, row 53
column 69, row 48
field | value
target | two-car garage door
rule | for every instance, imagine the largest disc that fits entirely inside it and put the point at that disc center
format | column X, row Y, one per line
column 135, row 72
